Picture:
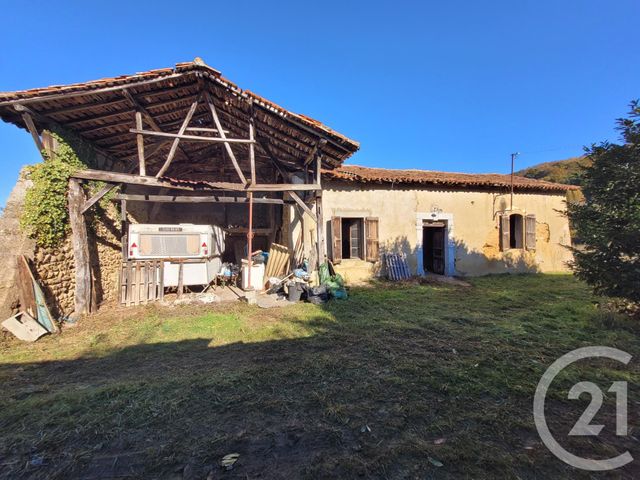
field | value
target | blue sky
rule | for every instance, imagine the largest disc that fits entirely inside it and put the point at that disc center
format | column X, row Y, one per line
column 454, row 85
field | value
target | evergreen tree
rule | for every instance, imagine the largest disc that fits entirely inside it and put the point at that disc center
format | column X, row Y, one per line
column 608, row 221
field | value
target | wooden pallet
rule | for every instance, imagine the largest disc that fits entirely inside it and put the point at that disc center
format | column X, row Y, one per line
column 141, row 282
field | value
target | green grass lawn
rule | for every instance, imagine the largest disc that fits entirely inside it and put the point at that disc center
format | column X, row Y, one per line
column 399, row 381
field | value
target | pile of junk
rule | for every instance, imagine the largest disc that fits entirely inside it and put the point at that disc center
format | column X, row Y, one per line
column 298, row 284
column 209, row 256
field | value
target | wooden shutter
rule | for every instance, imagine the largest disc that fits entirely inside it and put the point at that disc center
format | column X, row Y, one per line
column 373, row 243
column 336, row 239
column 530, row 232
column 505, row 239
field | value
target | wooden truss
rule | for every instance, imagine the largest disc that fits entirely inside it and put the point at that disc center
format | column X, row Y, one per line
column 217, row 134
column 311, row 190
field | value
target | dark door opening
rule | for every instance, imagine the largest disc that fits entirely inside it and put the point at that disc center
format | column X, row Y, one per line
column 433, row 244
column 352, row 238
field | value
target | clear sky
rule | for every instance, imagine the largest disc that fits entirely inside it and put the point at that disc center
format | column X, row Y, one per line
column 441, row 85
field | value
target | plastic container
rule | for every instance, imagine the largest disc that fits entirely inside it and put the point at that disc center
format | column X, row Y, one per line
column 295, row 291
column 257, row 276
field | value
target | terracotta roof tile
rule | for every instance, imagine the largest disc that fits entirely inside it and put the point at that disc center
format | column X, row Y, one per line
column 358, row 174
column 54, row 91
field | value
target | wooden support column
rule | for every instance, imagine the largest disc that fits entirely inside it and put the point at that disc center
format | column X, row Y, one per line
column 124, row 236
column 250, row 241
column 180, row 289
column 319, row 217
column 80, row 243
column 252, row 149
column 140, row 143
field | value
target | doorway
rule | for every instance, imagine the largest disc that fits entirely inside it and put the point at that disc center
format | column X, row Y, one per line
column 433, row 244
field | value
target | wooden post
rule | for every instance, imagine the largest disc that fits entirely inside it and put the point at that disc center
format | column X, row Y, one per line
column 26, row 118
column 319, row 218
column 250, row 241
column 140, row 142
column 180, row 280
column 124, row 237
column 319, row 229
column 252, row 152
column 80, row 244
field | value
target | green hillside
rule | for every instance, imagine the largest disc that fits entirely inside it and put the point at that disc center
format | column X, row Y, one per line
column 561, row 171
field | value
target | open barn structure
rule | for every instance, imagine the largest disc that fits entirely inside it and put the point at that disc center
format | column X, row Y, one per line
column 185, row 142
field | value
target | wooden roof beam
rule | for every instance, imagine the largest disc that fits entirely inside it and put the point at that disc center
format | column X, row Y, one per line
column 312, row 154
column 119, row 123
column 195, row 199
column 148, row 117
column 176, row 141
column 79, row 108
column 227, row 145
column 51, row 122
column 28, row 121
column 96, row 91
column 128, row 178
column 193, row 138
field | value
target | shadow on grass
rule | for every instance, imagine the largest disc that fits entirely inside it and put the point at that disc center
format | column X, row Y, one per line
column 371, row 392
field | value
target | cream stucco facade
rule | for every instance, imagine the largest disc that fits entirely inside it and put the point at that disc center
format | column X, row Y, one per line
column 472, row 238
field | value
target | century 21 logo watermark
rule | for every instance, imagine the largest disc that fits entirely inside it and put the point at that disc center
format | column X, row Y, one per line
column 583, row 426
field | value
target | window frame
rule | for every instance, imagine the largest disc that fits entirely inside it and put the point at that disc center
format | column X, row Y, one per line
column 526, row 231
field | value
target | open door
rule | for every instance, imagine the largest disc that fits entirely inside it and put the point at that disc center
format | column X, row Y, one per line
column 433, row 247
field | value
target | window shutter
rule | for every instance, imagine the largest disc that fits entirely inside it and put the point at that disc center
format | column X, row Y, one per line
column 373, row 243
column 530, row 232
column 336, row 239
column 505, row 241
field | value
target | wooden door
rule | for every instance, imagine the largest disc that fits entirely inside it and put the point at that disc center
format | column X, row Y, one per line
column 373, row 242
column 438, row 250
column 336, row 239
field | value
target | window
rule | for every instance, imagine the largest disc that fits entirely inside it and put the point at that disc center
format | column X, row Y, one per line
column 355, row 238
column 517, row 231
column 352, row 238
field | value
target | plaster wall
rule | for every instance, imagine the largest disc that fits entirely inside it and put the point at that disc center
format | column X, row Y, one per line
column 474, row 227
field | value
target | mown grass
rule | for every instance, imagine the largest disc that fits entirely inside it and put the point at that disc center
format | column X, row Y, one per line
column 372, row 387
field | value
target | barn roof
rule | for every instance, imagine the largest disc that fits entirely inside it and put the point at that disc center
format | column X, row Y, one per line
column 358, row 174
column 103, row 112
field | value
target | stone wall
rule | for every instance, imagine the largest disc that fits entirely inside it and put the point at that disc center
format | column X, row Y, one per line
column 105, row 249
column 12, row 243
column 56, row 270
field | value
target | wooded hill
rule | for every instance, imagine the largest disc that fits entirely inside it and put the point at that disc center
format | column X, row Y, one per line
column 562, row 171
